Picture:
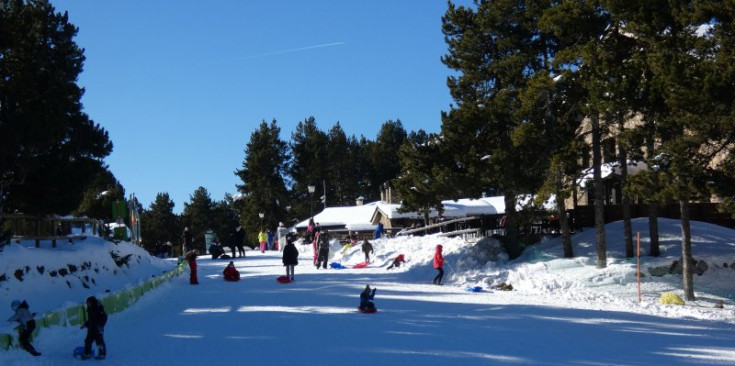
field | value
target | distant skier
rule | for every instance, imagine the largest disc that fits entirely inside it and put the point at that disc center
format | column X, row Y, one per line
column 95, row 324
column 439, row 265
column 27, row 325
column 366, row 298
column 290, row 259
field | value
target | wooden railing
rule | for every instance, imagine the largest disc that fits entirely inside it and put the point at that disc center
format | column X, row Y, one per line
column 53, row 228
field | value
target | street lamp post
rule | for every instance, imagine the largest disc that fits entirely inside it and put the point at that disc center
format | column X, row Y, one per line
column 311, row 189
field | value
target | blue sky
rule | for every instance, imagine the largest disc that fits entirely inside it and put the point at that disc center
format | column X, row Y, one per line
column 181, row 85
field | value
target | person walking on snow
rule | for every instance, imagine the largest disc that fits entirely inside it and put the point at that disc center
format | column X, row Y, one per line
column 239, row 239
column 438, row 265
column 95, row 324
column 270, row 238
column 262, row 239
column 27, row 325
column 290, row 259
column 367, row 248
column 191, row 258
column 323, row 248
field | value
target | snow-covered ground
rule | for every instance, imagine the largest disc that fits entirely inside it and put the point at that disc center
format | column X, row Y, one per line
column 560, row 311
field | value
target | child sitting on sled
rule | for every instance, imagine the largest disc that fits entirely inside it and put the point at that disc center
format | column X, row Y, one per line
column 231, row 273
column 365, row 299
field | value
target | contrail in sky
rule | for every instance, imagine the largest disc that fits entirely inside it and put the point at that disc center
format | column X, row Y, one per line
column 297, row 49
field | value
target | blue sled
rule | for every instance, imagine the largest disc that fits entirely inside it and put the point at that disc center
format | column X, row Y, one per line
column 336, row 265
column 474, row 289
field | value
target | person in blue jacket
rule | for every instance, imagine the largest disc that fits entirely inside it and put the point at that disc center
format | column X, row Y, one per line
column 378, row 231
column 366, row 298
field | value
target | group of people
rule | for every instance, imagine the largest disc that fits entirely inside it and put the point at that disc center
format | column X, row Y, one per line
column 95, row 325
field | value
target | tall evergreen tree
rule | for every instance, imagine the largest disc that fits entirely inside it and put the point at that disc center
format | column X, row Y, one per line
column 383, row 163
column 198, row 216
column 263, row 184
column 309, row 165
column 160, row 227
column 49, row 149
column 100, row 195
column 342, row 189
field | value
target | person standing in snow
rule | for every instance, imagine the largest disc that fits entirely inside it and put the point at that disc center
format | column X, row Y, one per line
column 290, row 259
column 95, row 324
column 282, row 232
column 366, row 298
column 323, row 248
column 27, row 324
column 310, row 231
column 240, row 241
column 270, row 235
column 438, row 265
column 191, row 258
column 262, row 239
column 367, row 248
column 378, row 231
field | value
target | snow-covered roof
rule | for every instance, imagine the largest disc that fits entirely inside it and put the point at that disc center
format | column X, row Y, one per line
column 606, row 169
column 361, row 218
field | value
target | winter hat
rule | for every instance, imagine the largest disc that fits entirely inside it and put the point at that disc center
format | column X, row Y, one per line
column 15, row 305
column 92, row 301
column 367, row 288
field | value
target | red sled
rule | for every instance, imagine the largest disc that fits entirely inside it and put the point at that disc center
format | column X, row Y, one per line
column 367, row 311
column 283, row 279
column 360, row 265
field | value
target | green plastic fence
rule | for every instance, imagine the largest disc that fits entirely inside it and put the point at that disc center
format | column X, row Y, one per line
column 77, row 315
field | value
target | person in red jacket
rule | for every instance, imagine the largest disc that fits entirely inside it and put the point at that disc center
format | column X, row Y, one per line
column 191, row 258
column 231, row 273
column 397, row 262
column 438, row 265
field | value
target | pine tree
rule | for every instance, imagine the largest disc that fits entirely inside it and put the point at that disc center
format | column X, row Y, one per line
column 49, row 149
column 198, row 216
column 263, row 185
column 309, row 165
column 161, row 227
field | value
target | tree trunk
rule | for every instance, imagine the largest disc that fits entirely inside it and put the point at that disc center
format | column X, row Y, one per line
column 599, row 194
column 511, row 226
column 625, row 201
column 686, row 251
column 654, row 251
column 566, row 237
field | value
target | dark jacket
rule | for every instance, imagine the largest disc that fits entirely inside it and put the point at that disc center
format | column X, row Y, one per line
column 96, row 315
column 290, row 255
column 365, row 298
column 367, row 247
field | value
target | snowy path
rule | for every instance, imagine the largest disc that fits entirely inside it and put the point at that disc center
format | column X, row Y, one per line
column 313, row 322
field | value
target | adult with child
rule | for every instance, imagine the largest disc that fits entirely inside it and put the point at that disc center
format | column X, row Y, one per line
column 24, row 318
column 95, row 324
column 290, row 259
